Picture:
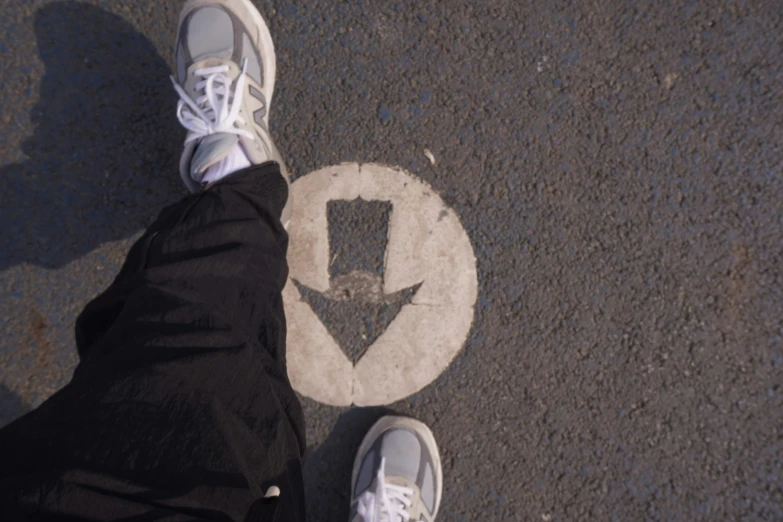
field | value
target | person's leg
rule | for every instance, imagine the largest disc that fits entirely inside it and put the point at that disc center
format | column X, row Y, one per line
column 180, row 407
column 180, row 404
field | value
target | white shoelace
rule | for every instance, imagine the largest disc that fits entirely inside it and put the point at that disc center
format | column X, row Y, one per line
column 388, row 503
column 217, row 109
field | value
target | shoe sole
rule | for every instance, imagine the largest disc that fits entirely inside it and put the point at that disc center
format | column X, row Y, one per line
column 419, row 428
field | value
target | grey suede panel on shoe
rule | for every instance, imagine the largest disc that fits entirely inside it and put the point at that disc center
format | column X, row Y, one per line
column 427, row 487
column 182, row 70
column 366, row 472
column 210, row 33
column 244, row 48
column 253, row 62
column 427, row 481
column 402, row 451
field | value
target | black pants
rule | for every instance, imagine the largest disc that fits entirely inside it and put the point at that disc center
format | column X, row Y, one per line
column 180, row 408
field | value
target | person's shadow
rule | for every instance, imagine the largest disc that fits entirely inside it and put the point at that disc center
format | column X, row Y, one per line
column 103, row 159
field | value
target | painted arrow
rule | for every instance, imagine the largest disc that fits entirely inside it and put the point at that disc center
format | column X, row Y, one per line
column 354, row 309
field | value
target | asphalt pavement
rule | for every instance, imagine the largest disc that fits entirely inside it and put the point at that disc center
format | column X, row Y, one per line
column 618, row 169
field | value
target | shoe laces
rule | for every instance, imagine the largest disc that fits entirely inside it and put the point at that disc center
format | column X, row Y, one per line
column 217, row 109
column 387, row 503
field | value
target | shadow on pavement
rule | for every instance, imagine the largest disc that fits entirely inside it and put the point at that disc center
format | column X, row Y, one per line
column 327, row 469
column 102, row 160
column 11, row 406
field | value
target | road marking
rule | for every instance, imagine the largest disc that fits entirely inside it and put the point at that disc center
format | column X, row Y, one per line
column 426, row 245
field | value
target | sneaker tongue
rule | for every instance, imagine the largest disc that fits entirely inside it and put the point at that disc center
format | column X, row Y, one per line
column 210, row 150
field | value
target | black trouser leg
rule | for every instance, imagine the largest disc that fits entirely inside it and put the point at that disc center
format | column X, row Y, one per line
column 180, row 407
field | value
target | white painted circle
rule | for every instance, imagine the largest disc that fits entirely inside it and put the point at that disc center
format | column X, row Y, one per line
column 426, row 244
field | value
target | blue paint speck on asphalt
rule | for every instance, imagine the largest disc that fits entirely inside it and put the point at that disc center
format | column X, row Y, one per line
column 384, row 113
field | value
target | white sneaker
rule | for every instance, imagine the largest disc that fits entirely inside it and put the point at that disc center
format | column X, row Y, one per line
column 225, row 79
column 397, row 475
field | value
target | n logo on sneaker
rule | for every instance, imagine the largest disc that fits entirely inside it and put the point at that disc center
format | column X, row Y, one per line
column 258, row 115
